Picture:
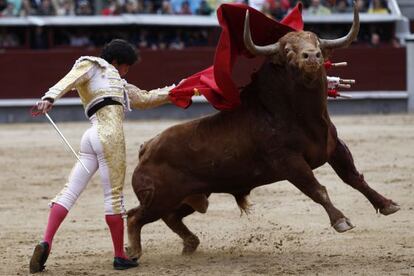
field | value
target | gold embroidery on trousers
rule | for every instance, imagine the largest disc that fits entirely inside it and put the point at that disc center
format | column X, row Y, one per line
column 111, row 134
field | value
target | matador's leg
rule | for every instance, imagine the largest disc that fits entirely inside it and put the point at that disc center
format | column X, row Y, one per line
column 110, row 149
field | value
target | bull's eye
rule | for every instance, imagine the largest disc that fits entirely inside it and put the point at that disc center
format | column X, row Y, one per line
column 305, row 55
column 318, row 54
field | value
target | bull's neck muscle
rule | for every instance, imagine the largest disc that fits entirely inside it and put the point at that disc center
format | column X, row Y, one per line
column 286, row 91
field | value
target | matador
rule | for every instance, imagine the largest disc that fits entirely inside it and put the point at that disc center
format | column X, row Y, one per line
column 105, row 96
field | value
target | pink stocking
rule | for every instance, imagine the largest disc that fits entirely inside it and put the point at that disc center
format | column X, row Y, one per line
column 116, row 226
column 56, row 216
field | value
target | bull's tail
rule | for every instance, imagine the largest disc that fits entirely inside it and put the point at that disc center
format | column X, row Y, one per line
column 243, row 203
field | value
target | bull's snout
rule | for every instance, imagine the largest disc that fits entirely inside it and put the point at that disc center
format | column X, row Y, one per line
column 311, row 60
column 310, row 56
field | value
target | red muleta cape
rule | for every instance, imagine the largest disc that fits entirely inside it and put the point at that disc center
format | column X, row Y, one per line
column 215, row 83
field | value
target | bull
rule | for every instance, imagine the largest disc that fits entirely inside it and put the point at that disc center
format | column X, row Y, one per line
column 281, row 131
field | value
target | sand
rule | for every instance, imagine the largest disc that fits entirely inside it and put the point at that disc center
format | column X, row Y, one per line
column 286, row 233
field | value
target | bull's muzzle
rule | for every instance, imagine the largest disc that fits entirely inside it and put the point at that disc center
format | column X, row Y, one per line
column 311, row 60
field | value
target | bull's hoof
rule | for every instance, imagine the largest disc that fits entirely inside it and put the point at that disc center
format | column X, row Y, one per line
column 343, row 225
column 390, row 209
column 133, row 254
column 190, row 245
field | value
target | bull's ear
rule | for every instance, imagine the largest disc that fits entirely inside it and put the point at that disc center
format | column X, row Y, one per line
column 278, row 58
column 287, row 48
column 327, row 53
column 283, row 55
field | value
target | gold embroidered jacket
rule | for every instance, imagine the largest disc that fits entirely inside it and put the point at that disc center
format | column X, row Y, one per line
column 94, row 79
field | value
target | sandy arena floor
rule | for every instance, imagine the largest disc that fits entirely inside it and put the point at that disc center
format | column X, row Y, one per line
column 286, row 233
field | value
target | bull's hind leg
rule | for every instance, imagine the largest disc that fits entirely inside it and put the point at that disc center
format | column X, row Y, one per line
column 301, row 175
column 158, row 199
column 342, row 162
column 137, row 218
column 134, row 226
column 174, row 221
column 152, row 206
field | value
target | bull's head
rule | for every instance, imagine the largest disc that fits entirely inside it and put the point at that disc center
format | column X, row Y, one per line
column 303, row 50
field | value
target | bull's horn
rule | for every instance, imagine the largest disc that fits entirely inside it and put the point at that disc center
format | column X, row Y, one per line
column 345, row 41
column 249, row 44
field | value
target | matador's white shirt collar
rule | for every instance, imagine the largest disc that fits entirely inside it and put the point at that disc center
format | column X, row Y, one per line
column 100, row 61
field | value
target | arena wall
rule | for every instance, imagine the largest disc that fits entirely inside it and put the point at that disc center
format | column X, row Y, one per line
column 30, row 73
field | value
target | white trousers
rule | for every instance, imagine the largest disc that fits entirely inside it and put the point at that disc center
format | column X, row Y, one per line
column 93, row 157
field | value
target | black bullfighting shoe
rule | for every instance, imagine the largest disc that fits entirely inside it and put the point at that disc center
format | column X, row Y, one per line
column 121, row 263
column 39, row 257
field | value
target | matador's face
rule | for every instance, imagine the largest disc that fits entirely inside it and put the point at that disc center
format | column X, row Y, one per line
column 122, row 68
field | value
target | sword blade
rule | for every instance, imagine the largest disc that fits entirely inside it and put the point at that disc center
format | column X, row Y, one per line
column 66, row 141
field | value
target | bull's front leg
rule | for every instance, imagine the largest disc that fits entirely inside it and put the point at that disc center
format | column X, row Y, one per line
column 342, row 162
column 301, row 175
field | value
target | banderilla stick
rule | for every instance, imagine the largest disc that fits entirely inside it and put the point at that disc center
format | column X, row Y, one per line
column 339, row 64
column 345, row 96
column 347, row 81
column 66, row 141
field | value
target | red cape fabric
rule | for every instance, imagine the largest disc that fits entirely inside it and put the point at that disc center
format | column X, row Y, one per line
column 215, row 83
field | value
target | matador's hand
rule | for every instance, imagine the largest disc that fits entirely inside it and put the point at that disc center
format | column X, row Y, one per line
column 44, row 106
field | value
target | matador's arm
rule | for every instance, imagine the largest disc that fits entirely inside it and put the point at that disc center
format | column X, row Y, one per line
column 80, row 72
column 143, row 99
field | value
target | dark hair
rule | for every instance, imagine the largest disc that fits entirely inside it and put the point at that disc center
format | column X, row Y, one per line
column 120, row 51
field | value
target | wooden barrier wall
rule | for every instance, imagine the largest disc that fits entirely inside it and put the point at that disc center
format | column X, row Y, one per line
column 28, row 74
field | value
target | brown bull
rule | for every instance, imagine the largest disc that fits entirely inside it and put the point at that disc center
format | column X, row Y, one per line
column 281, row 131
